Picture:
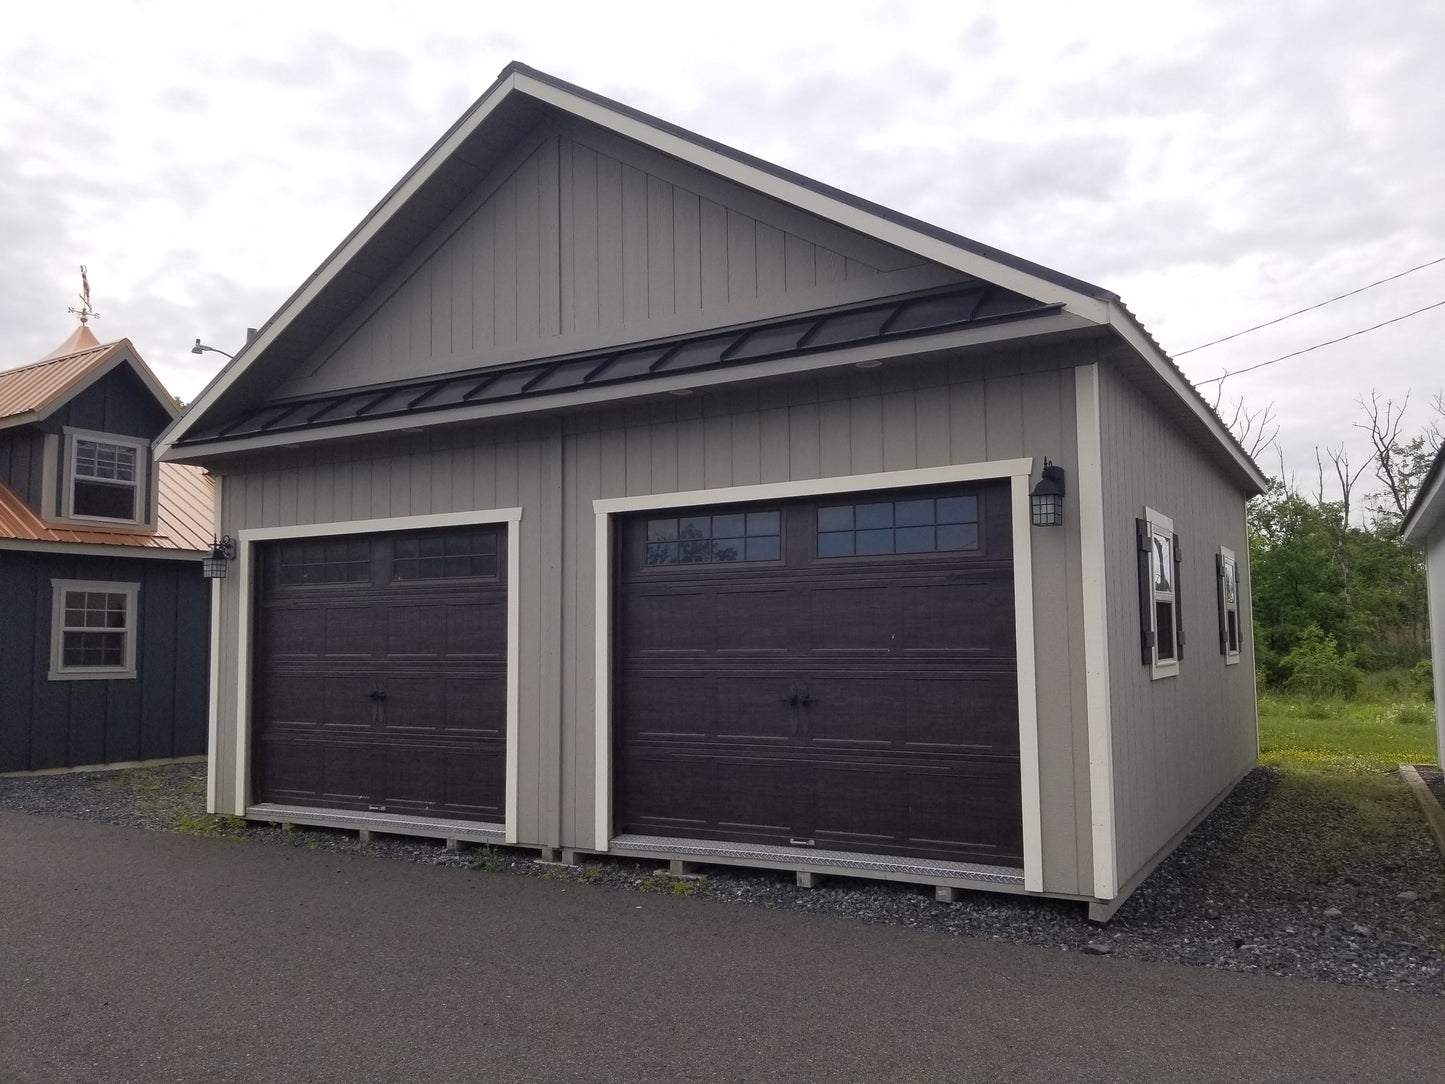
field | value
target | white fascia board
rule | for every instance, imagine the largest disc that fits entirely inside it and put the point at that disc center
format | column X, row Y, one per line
column 1129, row 330
column 1429, row 506
column 679, row 382
column 348, row 250
column 97, row 549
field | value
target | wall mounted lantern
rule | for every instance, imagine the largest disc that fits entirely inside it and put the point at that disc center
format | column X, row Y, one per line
column 1046, row 502
column 223, row 551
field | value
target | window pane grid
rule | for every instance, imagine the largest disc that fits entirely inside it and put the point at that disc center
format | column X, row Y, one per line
column 726, row 538
column 914, row 525
column 449, row 555
column 98, row 459
column 94, row 629
column 325, row 562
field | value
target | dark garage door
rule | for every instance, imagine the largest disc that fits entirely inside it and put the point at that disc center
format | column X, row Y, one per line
column 381, row 673
column 838, row 674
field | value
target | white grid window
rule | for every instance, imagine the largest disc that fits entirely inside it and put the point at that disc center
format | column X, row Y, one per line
column 105, row 477
column 1161, row 625
column 93, row 629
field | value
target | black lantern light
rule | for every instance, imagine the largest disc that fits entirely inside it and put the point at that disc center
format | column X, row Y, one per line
column 1046, row 502
column 223, row 551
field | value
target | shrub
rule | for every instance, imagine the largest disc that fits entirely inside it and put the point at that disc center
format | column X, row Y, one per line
column 1408, row 713
column 1317, row 669
column 1422, row 674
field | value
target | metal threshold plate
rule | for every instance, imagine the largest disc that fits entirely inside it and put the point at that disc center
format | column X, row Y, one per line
column 882, row 865
column 390, row 823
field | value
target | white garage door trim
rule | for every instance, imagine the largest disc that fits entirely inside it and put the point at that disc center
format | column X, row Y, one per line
column 249, row 537
column 1018, row 471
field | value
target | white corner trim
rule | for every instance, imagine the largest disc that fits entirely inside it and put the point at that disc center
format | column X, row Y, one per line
column 1094, row 589
column 602, row 683
column 246, row 540
column 213, row 702
column 1017, row 471
column 1026, row 667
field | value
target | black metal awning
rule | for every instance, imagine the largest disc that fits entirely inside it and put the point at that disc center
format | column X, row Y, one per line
column 907, row 316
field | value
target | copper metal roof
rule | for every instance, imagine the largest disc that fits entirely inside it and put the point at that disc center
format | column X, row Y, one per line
column 185, row 520
column 32, row 388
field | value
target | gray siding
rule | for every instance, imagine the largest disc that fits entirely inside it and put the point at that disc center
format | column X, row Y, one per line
column 584, row 239
column 1177, row 741
column 1014, row 403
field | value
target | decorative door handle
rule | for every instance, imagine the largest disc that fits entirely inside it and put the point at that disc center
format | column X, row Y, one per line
column 377, row 694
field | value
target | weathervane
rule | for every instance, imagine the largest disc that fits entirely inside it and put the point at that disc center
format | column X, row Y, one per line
column 85, row 312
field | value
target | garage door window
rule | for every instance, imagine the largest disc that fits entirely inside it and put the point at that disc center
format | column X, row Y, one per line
column 915, row 525
column 445, row 555
column 732, row 536
column 347, row 561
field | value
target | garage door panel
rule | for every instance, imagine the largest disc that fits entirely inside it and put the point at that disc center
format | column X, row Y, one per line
column 290, row 767
column 476, row 706
column 413, row 631
column 748, row 621
column 965, row 715
column 667, row 792
column 292, row 700
column 294, row 634
column 753, row 708
column 860, row 710
column 476, row 630
column 978, row 810
column 866, row 806
column 414, row 704
column 665, row 622
column 475, row 783
column 668, row 703
column 974, row 617
column 760, row 797
column 856, row 620
column 351, row 772
column 351, row 633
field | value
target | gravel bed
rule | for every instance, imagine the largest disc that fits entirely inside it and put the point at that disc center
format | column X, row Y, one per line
column 1434, row 779
column 1373, row 919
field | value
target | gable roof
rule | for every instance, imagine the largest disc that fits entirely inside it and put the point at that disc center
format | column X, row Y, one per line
column 31, row 392
column 519, row 99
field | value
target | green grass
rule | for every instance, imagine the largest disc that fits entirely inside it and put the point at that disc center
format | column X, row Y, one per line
column 1366, row 734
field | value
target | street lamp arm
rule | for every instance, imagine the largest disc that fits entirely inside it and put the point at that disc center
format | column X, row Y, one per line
column 199, row 349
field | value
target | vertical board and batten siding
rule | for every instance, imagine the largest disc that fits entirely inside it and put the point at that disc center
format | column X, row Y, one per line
column 933, row 414
column 1178, row 741
column 578, row 244
column 22, row 464
column 451, row 471
column 158, row 714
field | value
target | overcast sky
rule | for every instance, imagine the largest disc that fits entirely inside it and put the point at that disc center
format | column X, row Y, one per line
column 1216, row 164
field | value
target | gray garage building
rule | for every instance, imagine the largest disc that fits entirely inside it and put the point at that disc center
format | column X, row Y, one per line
column 610, row 490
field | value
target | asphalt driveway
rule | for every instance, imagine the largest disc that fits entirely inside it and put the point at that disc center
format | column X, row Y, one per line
column 136, row 956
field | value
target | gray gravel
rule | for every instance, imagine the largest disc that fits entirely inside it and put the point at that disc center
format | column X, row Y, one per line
column 1377, row 920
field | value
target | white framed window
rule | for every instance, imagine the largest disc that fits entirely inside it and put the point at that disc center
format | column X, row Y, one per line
column 1227, row 574
column 92, row 629
column 1161, row 624
column 104, row 477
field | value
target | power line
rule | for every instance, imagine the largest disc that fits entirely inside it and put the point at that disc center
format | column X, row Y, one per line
column 1311, row 308
column 1307, row 349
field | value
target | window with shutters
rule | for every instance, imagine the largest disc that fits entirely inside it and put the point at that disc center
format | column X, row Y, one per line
column 1161, row 623
column 1227, row 573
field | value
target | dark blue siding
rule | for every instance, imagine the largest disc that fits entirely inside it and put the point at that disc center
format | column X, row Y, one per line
column 21, row 458
column 161, row 712
column 118, row 402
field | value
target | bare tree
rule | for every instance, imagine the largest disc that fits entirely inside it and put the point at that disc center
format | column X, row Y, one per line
column 1255, row 430
column 1401, row 461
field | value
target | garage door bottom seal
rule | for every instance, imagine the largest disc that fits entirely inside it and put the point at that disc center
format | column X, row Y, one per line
column 870, row 863
column 390, row 823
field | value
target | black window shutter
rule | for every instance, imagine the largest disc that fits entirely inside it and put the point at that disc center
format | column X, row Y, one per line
column 1145, row 536
column 1178, row 603
column 1223, row 609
